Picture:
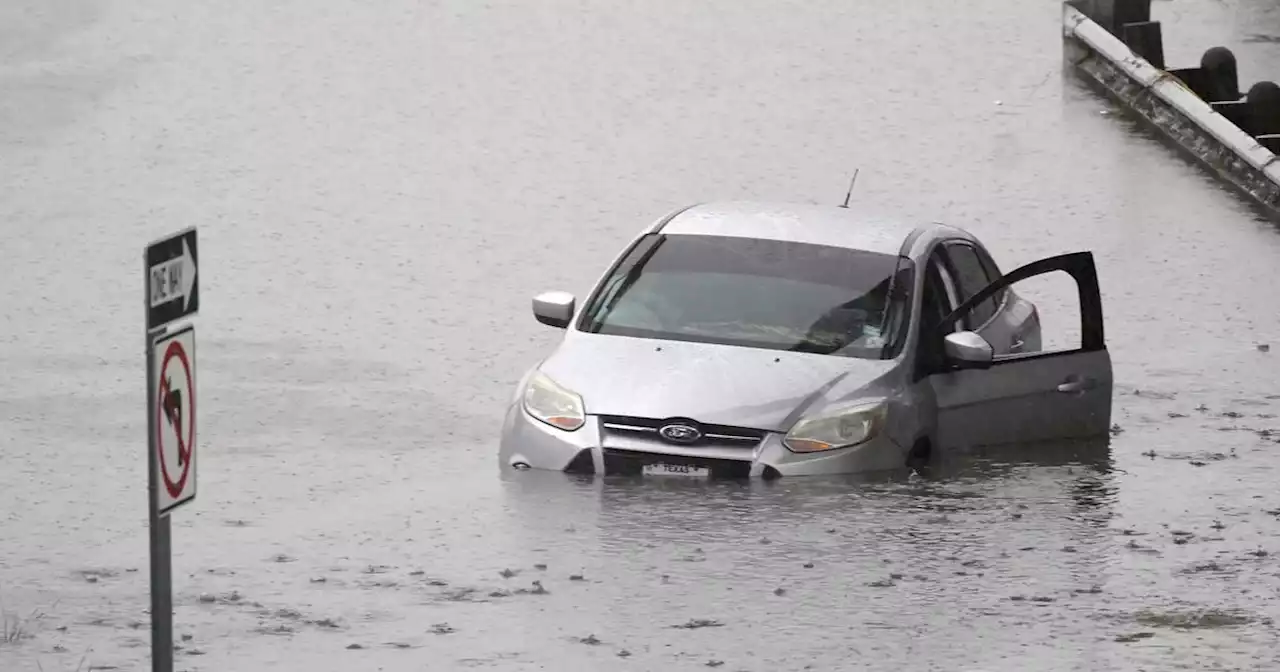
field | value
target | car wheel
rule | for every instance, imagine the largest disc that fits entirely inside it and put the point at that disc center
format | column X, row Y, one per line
column 920, row 453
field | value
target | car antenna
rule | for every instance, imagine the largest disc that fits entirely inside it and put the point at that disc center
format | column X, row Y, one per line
column 850, row 192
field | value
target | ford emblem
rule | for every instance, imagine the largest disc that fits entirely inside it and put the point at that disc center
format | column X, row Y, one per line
column 678, row 432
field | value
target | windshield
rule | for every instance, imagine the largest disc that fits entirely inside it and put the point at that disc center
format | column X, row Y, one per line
column 756, row 293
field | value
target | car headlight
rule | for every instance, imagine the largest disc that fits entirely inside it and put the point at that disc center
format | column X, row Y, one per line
column 552, row 404
column 837, row 428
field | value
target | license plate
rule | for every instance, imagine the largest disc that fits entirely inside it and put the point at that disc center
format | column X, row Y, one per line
column 675, row 470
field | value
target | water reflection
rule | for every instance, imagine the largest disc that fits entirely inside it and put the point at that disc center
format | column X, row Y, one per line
column 1061, row 486
column 987, row 534
column 1082, row 467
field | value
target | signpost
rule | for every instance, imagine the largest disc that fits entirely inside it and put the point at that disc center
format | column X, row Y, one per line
column 172, row 292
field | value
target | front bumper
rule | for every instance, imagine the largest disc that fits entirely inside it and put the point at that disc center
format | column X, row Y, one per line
column 595, row 448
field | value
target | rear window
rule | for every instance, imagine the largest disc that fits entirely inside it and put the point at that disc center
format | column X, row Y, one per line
column 756, row 293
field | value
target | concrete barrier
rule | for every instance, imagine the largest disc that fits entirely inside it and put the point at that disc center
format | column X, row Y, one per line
column 1092, row 46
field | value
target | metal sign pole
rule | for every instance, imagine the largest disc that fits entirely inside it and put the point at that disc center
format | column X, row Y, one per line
column 161, row 581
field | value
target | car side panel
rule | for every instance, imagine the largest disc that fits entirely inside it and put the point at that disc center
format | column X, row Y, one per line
column 1016, row 327
column 1026, row 325
column 1001, row 330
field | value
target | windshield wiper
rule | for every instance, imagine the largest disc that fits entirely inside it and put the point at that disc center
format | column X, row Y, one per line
column 628, row 279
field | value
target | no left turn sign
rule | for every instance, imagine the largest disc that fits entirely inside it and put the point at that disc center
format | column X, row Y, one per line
column 174, row 424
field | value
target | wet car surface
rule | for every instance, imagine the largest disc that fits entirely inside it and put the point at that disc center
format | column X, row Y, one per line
column 379, row 188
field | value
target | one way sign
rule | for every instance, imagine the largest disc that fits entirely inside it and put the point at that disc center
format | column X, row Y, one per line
column 173, row 284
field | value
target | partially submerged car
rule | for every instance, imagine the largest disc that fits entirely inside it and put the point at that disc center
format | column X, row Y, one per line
column 748, row 339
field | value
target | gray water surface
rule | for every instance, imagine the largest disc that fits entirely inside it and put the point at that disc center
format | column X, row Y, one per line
column 380, row 187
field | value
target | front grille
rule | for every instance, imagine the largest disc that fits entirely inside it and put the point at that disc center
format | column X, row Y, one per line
column 630, row 463
column 712, row 435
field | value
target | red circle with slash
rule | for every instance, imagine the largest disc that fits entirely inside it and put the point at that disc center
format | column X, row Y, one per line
column 175, row 352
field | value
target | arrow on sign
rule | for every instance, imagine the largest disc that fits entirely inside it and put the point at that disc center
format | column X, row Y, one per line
column 174, row 279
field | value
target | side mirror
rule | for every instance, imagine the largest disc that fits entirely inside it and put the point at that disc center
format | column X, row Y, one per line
column 554, row 309
column 968, row 350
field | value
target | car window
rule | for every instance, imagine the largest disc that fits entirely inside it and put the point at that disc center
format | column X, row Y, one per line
column 971, row 278
column 935, row 304
column 945, row 283
column 758, row 293
column 993, row 272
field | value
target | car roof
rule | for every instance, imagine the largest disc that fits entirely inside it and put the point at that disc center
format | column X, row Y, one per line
column 854, row 227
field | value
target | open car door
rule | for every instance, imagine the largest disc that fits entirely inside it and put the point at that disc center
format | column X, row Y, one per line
column 1050, row 395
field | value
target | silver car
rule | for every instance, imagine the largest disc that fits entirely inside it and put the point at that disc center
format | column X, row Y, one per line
column 743, row 339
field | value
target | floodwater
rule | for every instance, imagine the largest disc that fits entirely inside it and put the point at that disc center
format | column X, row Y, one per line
column 380, row 187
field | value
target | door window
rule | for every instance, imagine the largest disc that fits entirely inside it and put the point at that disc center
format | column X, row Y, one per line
column 935, row 303
column 1078, row 265
column 993, row 272
column 971, row 277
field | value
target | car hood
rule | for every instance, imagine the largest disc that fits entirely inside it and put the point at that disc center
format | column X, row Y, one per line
column 715, row 384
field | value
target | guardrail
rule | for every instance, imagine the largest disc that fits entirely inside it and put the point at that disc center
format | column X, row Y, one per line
column 1115, row 45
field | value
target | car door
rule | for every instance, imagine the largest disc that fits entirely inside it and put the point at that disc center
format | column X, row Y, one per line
column 1026, row 397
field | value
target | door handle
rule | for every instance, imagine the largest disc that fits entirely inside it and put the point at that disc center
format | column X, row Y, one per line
column 1017, row 345
column 1077, row 385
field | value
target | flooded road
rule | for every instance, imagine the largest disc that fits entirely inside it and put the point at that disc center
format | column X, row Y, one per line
column 379, row 190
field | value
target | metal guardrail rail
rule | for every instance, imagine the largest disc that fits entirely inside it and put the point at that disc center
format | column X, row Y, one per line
column 1115, row 45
